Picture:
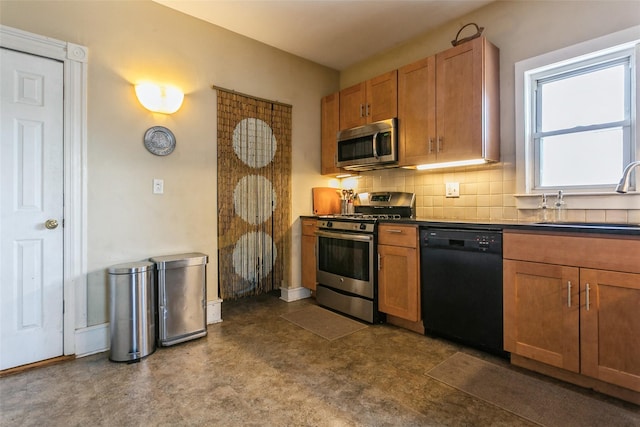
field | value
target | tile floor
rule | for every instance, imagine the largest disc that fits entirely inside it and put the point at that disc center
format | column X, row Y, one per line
column 257, row 369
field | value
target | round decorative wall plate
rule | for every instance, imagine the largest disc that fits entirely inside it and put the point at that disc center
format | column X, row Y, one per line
column 159, row 140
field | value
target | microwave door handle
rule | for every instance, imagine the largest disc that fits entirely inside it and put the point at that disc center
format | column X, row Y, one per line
column 375, row 145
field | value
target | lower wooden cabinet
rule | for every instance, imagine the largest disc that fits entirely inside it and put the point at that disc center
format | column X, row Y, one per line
column 398, row 271
column 308, row 255
column 581, row 314
column 610, row 327
column 541, row 313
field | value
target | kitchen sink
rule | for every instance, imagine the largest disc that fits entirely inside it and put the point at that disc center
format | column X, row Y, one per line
column 590, row 224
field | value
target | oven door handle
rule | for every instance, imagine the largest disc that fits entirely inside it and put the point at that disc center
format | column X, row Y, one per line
column 345, row 236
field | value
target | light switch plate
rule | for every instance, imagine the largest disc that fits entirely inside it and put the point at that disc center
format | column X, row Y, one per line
column 158, row 186
column 452, row 189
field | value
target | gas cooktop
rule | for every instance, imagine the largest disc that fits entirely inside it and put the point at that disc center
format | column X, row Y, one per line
column 361, row 216
column 380, row 205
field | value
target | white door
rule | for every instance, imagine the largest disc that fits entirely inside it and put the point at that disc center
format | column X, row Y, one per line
column 31, row 209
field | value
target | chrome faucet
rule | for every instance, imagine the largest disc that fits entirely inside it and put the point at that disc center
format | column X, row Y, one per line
column 623, row 186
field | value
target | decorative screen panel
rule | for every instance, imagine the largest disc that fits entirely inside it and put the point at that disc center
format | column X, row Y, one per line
column 254, row 182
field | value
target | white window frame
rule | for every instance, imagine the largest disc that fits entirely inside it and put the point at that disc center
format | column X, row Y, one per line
column 526, row 73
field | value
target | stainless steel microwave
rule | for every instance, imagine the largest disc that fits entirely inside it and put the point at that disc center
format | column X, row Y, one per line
column 368, row 147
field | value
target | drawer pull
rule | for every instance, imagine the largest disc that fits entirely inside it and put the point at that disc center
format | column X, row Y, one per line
column 394, row 231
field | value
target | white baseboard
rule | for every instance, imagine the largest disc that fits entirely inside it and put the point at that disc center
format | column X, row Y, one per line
column 214, row 311
column 294, row 294
column 91, row 340
column 95, row 339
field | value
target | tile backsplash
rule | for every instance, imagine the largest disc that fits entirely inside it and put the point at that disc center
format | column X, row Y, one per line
column 486, row 193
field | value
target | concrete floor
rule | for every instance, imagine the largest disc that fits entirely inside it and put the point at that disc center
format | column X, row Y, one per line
column 256, row 369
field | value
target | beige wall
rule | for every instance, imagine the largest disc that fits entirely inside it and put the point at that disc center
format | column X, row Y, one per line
column 133, row 40
column 521, row 29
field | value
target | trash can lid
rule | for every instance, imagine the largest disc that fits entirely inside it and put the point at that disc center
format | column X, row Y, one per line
column 131, row 267
column 179, row 261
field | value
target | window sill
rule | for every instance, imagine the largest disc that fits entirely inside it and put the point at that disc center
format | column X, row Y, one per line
column 607, row 200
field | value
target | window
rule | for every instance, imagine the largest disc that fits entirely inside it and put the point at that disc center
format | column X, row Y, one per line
column 581, row 122
column 576, row 117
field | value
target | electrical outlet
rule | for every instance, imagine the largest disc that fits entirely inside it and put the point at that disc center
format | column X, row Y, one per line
column 158, row 186
column 452, row 189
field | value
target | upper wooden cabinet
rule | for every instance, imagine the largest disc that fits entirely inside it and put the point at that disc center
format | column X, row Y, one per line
column 417, row 112
column 449, row 106
column 330, row 116
column 370, row 101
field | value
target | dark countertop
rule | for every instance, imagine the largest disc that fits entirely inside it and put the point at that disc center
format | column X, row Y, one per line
column 573, row 227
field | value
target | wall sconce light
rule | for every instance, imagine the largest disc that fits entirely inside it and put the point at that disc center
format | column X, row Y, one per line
column 159, row 99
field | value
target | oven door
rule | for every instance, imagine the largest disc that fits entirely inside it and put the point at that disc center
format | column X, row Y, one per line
column 346, row 262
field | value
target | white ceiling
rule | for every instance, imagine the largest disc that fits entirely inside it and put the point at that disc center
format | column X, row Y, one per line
column 334, row 33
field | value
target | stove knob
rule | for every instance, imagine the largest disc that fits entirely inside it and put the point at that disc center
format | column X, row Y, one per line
column 363, row 226
column 329, row 224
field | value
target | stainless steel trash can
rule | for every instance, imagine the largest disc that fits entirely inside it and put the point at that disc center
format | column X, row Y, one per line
column 182, row 297
column 132, row 312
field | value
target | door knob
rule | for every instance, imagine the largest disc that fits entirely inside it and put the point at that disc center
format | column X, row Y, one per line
column 51, row 224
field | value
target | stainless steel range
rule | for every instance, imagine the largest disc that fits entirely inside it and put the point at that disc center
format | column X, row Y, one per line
column 347, row 260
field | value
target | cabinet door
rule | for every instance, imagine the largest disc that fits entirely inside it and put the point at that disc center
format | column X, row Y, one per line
column 352, row 106
column 398, row 285
column 460, row 102
column 417, row 112
column 610, row 327
column 541, row 312
column 382, row 97
column 308, row 253
column 330, row 115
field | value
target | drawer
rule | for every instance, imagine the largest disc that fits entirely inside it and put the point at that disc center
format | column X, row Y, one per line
column 398, row 235
column 309, row 227
column 603, row 252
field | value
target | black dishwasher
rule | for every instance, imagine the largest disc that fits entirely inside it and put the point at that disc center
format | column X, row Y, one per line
column 461, row 286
